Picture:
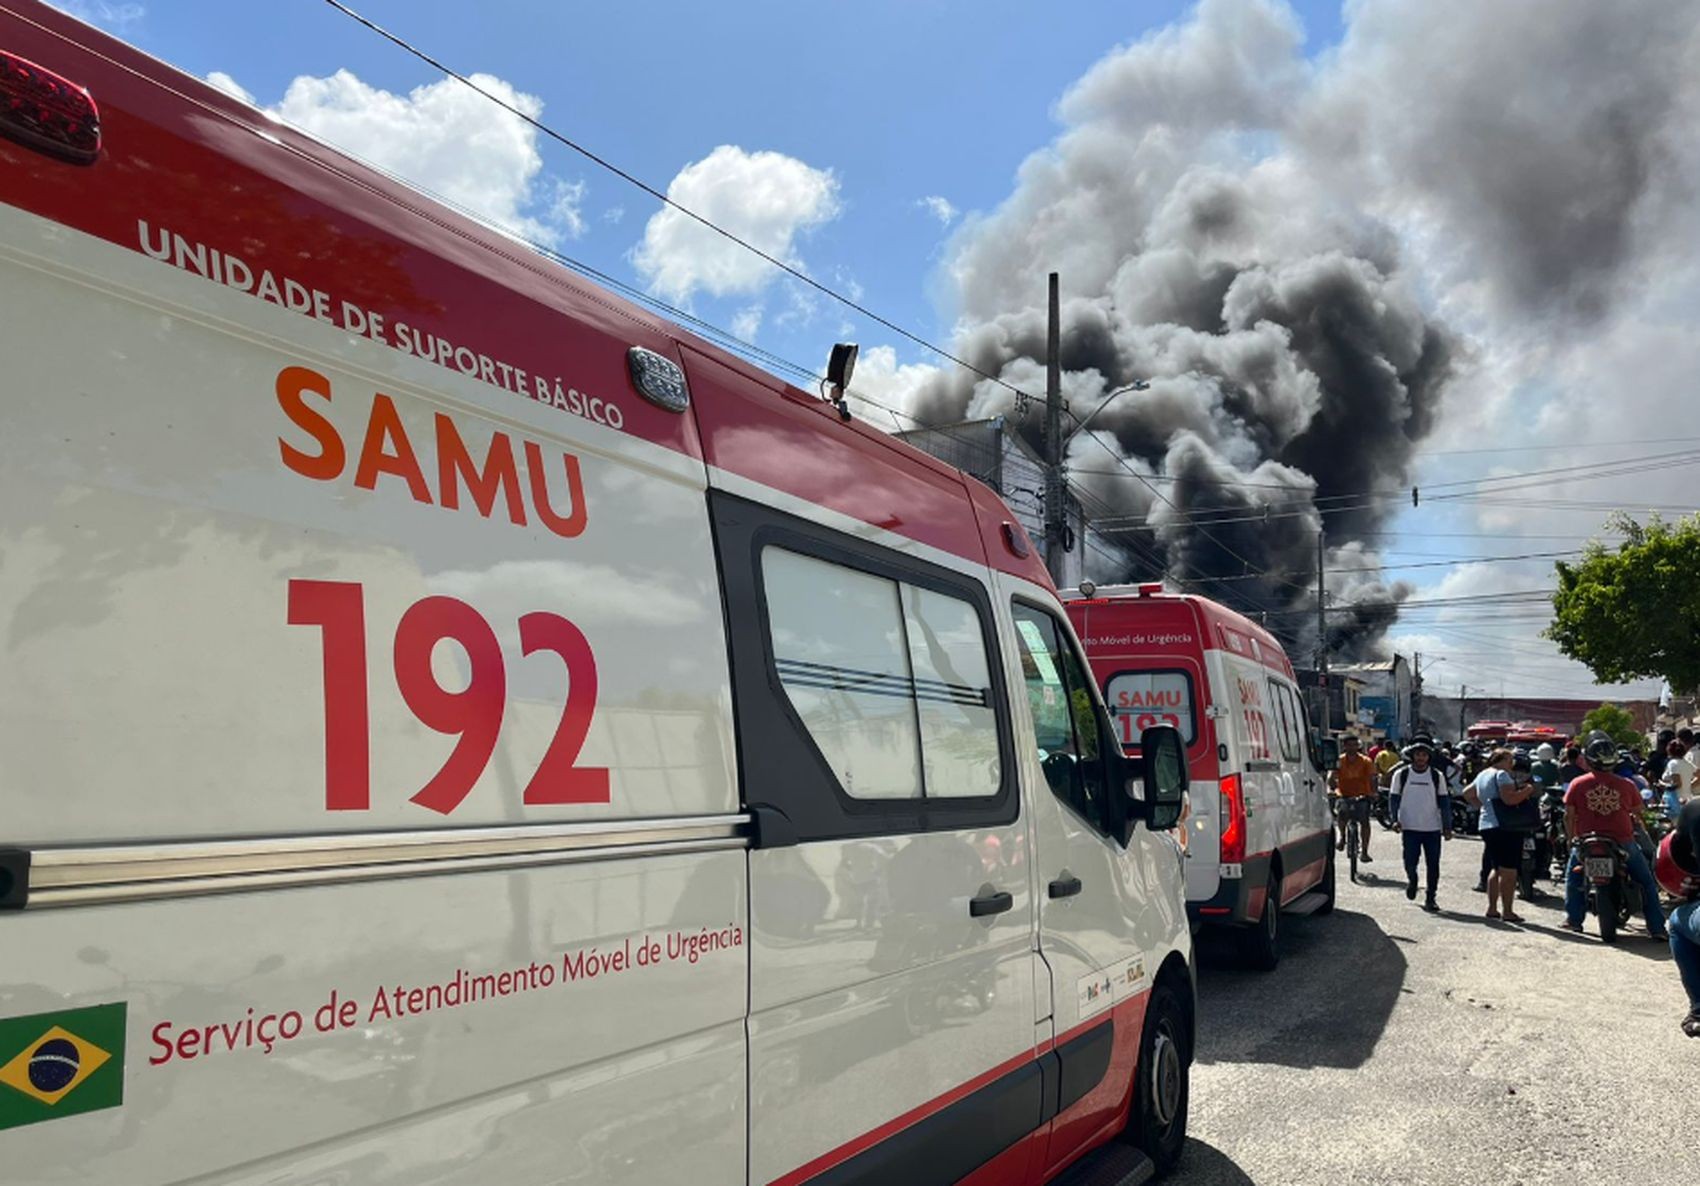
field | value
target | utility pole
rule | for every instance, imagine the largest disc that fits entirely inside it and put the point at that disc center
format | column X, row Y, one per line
column 1321, row 624
column 1416, row 690
column 1463, row 695
column 1056, row 509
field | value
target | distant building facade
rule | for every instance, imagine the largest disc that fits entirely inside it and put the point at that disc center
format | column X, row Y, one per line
column 992, row 452
column 1385, row 696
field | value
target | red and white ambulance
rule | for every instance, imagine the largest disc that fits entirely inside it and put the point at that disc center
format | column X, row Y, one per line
column 457, row 726
column 1257, row 836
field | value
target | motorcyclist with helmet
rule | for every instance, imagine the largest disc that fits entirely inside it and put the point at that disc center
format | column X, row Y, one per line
column 1601, row 801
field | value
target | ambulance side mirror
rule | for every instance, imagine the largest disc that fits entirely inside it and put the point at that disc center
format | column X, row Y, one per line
column 1163, row 756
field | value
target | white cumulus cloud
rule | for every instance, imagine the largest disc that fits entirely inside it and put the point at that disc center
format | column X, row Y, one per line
column 446, row 139
column 101, row 12
column 939, row 208
column 746, row 323
column 230, row 86
column 767, row 199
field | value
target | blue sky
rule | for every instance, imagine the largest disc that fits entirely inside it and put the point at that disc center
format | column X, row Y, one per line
column 855, row 115
column 900, row 99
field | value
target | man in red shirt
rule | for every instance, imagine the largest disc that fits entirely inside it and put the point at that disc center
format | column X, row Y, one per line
column 1600, row 801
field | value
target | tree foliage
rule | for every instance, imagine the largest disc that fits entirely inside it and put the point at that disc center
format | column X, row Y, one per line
column 1616, row 723
column 1633, row 612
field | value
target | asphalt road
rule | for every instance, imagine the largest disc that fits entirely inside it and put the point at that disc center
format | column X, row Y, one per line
column 1393, row 1046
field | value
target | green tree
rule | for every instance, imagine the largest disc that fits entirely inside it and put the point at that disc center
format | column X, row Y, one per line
column 1616, row 723
column 1633, row 612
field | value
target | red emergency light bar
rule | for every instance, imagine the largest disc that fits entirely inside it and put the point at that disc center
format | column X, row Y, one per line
column 43, row 111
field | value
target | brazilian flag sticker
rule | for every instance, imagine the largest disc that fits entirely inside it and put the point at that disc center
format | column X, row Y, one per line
column 60, row 1064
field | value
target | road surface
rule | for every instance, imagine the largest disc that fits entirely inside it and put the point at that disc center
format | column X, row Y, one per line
column 1393, row 1046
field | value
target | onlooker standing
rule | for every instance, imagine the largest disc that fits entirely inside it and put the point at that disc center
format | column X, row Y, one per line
column 1571, row 768
column 1689, row 749
column 1422, row 812
column 1679, row 872
column 1354, row 778
column 1661, row 751
column 1602, row 802
column 1678, row 772
column 1498, row 790
column 1385, row 763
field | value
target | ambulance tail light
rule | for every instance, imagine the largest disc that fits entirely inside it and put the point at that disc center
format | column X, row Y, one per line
column 1233, row 821
column 43, row 111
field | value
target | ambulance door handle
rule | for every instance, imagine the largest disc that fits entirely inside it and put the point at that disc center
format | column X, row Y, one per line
column 989, row 902
column 1065, row 886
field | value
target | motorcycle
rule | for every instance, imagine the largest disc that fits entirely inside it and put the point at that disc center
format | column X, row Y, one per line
column 1605, row 871
column 1552, row 823
column 1536, row 860
column 1383, row 808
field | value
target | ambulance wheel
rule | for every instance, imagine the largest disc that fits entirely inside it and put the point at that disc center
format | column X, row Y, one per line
column 1327, row 886
column 1260, row 943
column 1158, row 1123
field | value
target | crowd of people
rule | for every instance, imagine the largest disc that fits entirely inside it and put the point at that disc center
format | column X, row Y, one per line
column 1648, row 806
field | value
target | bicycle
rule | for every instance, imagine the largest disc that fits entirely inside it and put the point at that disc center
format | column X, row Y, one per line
column 1353, row 812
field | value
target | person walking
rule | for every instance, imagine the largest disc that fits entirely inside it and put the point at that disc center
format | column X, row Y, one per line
column 1602, row 802
column 1354, row 779
column 1422, row 814
column 1498, row 791
column 1678, row 871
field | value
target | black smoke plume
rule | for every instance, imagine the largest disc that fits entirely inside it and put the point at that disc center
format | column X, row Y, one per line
column 1222, row 213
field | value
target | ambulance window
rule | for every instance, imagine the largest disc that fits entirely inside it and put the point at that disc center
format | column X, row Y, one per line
column 1140, row 699
column 1065, row 723
column 1287, row 726
column 837, row 638
column 959, row 731
column 891, row 680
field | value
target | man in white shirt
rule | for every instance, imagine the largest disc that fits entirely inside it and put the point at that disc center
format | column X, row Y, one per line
column 1422, row 813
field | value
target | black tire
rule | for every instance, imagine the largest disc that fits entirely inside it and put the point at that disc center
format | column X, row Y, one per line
column 1327, row 886
column 1605, row 902
column 1157, row 1125
column 1260, row 943
column 1352, row 845
column 1526, row 881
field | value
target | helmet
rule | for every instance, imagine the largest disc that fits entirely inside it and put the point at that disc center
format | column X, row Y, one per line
column 1520, row 763
column 1419, row 743
column 1600, row 750
column 1675, row 867
column 1544, row 752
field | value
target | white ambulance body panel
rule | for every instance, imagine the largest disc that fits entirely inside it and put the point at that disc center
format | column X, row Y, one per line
column 459, row 728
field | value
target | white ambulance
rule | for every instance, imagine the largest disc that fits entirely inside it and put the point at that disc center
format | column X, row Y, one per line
column 1257, row 835
column 457, row 727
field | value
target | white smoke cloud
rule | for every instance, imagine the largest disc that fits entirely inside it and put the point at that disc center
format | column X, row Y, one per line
column 883, row 391
column 767, row 199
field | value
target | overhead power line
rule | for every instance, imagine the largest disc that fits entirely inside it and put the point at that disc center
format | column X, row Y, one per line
column 632, row 179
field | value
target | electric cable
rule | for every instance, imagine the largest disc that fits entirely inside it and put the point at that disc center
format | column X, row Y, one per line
column 633, row 180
